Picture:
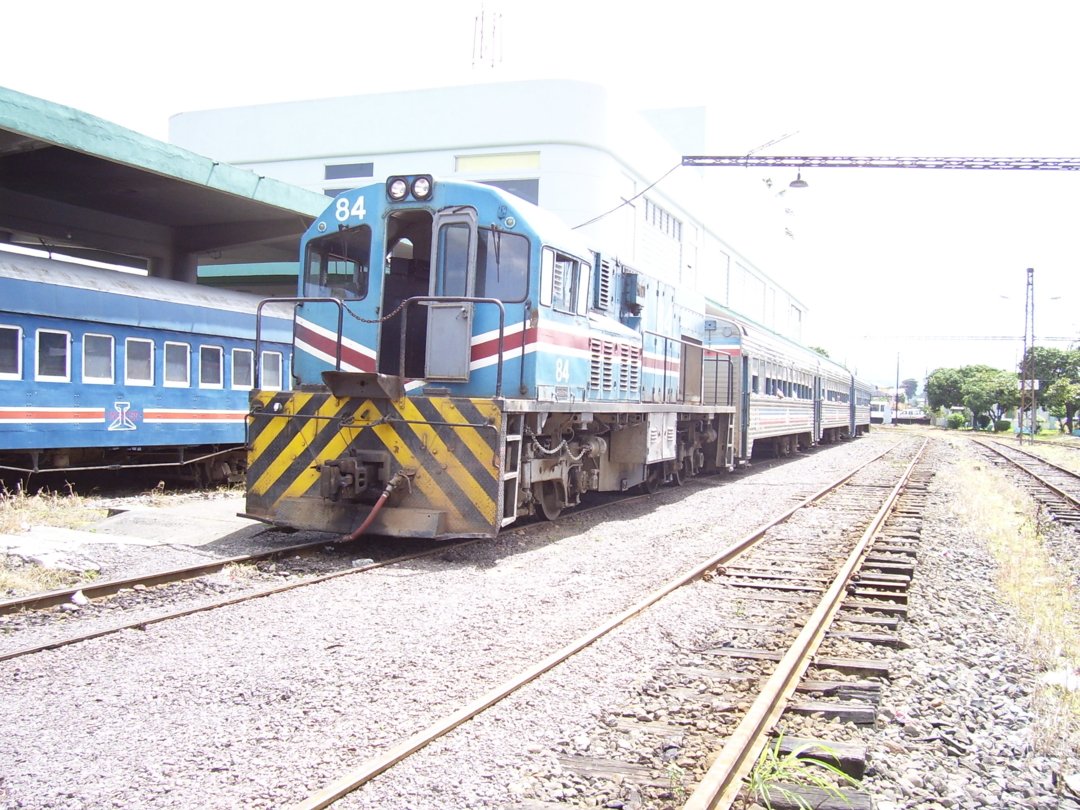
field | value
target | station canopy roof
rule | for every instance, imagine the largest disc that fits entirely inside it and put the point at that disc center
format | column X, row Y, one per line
column 81, row 186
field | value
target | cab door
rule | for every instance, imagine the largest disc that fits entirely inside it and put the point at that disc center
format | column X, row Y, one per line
column 449, row 323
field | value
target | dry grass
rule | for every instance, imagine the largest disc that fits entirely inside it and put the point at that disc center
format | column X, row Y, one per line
column 18, row 513
column 1042, row 595
column 18, row 578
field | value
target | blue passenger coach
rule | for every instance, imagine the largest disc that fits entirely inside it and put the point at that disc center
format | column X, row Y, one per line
column 105, row 369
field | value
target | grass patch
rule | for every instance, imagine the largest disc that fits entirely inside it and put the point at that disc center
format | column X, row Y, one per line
column 1041, row 594
column 774, row 769
column 19, row 511
column 19, row 578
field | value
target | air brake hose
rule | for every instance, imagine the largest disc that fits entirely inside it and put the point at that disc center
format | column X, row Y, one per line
column 398, row 479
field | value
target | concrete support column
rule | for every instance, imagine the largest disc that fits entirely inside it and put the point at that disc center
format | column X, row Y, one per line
column 176, row 266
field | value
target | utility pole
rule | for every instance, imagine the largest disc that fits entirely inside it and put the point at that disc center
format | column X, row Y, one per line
column 896, row 393
column 1028, row 382
column 487, row 38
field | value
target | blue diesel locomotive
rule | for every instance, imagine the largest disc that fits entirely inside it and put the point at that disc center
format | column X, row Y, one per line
column 463, row 359
column 101, row 369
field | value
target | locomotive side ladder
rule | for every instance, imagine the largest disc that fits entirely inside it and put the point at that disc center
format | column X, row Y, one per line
column 511, row 466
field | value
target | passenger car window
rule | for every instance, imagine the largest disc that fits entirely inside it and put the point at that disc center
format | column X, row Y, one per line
column 10, row 353
column 138, row 361
column 53, row 356
column 97, row 359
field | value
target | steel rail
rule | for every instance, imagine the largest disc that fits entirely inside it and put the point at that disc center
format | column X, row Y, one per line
column 141, row 624
column 722, row 782
column 380, row 763
column 1072, row 499
column 233, row 600
column 96, row 590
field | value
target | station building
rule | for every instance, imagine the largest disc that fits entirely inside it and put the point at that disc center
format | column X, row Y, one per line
column 567, row 146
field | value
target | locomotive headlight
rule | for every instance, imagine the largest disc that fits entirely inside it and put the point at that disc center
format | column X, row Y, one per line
column 397, row 188
column 421, row 188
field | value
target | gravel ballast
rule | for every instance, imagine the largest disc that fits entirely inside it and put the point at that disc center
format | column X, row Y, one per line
column 260, row 704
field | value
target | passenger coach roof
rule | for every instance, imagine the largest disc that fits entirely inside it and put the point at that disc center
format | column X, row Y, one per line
column 39, row 286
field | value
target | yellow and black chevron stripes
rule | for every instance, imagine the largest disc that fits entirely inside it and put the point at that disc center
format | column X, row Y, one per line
column 450, row 448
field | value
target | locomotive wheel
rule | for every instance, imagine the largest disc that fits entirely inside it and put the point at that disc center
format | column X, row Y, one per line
column 654, row 477
column 551, row 505
column 678, row 474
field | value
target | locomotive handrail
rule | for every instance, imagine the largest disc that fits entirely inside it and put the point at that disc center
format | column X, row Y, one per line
column 294, row 302
column 459, row 299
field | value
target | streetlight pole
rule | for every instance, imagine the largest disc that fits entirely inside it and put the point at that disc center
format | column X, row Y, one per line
column 1027, row 382
column 896, row 393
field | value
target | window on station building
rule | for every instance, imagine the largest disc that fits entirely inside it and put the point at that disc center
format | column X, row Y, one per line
column 243, row 369
column 138, row 361
column 53, row 356
column 663, row 221
column 345, row 171
column 211, row 367
column 177, row 365
column 528, row 188
column 10, row 353
column 97, row 359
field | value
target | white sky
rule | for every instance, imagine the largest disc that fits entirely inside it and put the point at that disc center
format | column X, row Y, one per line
column 884, row 259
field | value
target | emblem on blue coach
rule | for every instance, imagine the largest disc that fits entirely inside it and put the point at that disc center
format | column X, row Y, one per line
column 121, row 420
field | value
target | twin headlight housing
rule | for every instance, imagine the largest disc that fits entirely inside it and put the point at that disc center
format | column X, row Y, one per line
column 420, row 187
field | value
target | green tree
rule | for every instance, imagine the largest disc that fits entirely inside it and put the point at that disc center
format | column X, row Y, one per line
column 1051, row 365
column 988, row 392
column 819, row 350
column 943, row 388
column 910, row 386
column 1063, row 400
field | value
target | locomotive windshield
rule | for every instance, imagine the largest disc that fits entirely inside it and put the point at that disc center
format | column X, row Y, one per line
column 337, row 265
column 502, row 265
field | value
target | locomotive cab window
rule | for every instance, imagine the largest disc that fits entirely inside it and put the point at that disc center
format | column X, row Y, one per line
column 564, row 284
column 53, row 356
column 211, row 367
column 177, row 365
column 138, row 361
column 10, row 353
column 97, row 359
column 502, row 265
column 336, row 266
column 452, row 271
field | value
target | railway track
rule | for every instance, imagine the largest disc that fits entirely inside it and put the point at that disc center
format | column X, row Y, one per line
column 766, row 567
column 1054, row 487
column 372, row 556
column 156, row 602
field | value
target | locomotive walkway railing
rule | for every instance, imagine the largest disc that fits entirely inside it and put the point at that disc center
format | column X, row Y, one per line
column 706, row 360
column 294, row 302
